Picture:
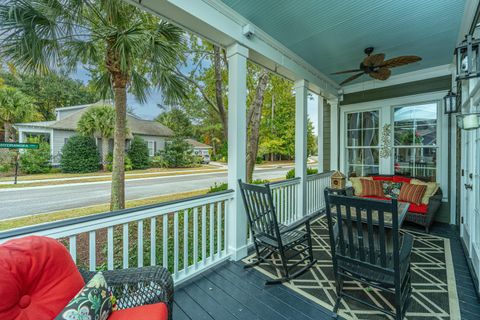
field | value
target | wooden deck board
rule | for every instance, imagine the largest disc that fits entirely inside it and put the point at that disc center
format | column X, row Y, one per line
column 229, row 292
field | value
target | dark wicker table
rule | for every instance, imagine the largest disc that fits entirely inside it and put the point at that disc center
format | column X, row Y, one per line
column 402, row 212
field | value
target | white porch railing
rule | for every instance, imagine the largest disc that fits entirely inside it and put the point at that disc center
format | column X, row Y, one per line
column 316, row 184
column 186, row 236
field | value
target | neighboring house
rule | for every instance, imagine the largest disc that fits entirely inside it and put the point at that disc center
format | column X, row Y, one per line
column 199, row 148
column 57, row 132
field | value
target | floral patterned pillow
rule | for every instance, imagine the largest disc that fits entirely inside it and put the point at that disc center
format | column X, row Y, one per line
column 93, row 302
column 391, row 189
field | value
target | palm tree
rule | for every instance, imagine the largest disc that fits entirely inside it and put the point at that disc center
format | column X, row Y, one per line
column 99, row 121
column 127, row 49
column 14, row 107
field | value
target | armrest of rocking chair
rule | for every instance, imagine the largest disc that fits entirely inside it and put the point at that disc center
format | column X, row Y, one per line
column 304, row 221
column 135, row 287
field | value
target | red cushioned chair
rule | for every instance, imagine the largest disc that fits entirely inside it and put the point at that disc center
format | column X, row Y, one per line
column 38, row 278
column 421, row 214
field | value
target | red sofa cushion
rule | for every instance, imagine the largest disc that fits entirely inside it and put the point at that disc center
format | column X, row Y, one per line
column 157, row 311
column 382, row 178
column 418, row 208
column 38, row 278
column 401, row 179
column 371, row 188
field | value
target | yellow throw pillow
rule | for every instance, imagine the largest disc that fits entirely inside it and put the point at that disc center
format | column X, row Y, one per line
column 432, row 188
column 357, row 185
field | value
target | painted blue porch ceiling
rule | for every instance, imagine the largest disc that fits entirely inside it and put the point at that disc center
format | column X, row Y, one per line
column 331, row 34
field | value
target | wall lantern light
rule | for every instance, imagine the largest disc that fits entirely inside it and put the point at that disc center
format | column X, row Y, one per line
column 450, row 102
column 468, row 59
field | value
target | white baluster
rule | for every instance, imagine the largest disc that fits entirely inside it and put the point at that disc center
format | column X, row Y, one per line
column 195, row 236
column 165, row 241
column 125, row 245
column 153, row 242
column 110, row 264
column 73, row 247
column 92, row 250
column 175, row 244
column 204, row 234
column 185, row 239
column 140, row 243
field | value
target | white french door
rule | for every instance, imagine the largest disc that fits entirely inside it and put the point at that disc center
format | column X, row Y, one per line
column 470, row 195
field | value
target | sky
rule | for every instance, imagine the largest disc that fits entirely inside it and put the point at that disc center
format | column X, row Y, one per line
column 149, row 110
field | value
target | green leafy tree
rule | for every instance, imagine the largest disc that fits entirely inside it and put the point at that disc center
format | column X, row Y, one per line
column 51, row 91
column 14, row 107
column 138, row 153
column 98, row 121
column 178, row 153
column 79, row 155
column 36, row 160
column 128, row 49
column 177, row 120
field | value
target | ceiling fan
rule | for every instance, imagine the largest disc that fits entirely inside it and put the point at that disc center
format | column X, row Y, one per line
column 376, row 66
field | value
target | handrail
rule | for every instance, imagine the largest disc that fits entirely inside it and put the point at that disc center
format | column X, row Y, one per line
column 286, row 182
column 319, row 175
column 116, row 217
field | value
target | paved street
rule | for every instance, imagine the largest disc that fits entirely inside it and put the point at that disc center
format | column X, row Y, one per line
column 34, row 200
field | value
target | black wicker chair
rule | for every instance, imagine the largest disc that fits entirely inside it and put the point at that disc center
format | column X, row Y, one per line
column 368, row 250
column 270, row 237
column 135, row 287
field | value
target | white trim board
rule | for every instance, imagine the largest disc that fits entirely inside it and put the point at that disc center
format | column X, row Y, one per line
column 218, row 23
column 418, row 75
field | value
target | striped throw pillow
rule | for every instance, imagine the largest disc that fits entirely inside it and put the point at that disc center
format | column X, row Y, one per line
column 412, row 193
column 371, row 188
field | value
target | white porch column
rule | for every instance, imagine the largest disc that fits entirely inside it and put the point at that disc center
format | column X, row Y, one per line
column 237, row 134
column 334, row 135
column 301, row 98
column 320, row 135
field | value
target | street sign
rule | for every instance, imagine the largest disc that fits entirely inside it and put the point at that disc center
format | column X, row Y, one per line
column 16, row 145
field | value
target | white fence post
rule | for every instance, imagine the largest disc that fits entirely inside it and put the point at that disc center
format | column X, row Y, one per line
column 301, row 98
column 237, row 134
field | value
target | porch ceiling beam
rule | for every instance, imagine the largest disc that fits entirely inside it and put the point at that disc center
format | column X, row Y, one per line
column 218, row 23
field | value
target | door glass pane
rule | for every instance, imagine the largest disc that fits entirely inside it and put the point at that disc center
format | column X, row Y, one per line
column 415, row 127
column 416, row 162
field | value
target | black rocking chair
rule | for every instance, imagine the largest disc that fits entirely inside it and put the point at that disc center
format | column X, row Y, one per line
column 270, row 237
column 366, row 247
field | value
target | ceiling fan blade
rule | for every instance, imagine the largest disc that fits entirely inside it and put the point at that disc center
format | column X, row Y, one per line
column 347, row 71
column 355, row 76
column 400, row 61
column 381, row 74
column 374, row 60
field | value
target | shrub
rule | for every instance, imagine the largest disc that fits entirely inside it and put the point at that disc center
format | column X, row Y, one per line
column 178, row 153
column 79, row 155
column 36, row 160
column 158, row 162
column 224, row 186
column 291, row 173
column 218, row 187
column 138, row 153
column 127, row 161
column 7, row 160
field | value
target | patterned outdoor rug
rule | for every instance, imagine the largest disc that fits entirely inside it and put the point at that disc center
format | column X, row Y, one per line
column 433, row 281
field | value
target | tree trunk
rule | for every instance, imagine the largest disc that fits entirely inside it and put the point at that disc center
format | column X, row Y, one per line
column 217, row 59
column 117, row 201
column 7, row 126
column 255, row 115
column 104, row 152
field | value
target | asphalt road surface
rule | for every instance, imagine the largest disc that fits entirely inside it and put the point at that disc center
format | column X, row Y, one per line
column 35, row 200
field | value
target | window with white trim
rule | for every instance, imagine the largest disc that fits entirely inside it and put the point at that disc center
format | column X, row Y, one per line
column 415, row 143
column 362, row 143
column 151, row 148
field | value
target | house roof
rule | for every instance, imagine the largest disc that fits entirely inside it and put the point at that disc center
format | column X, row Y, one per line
column 197, row 144
column 134, row 124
